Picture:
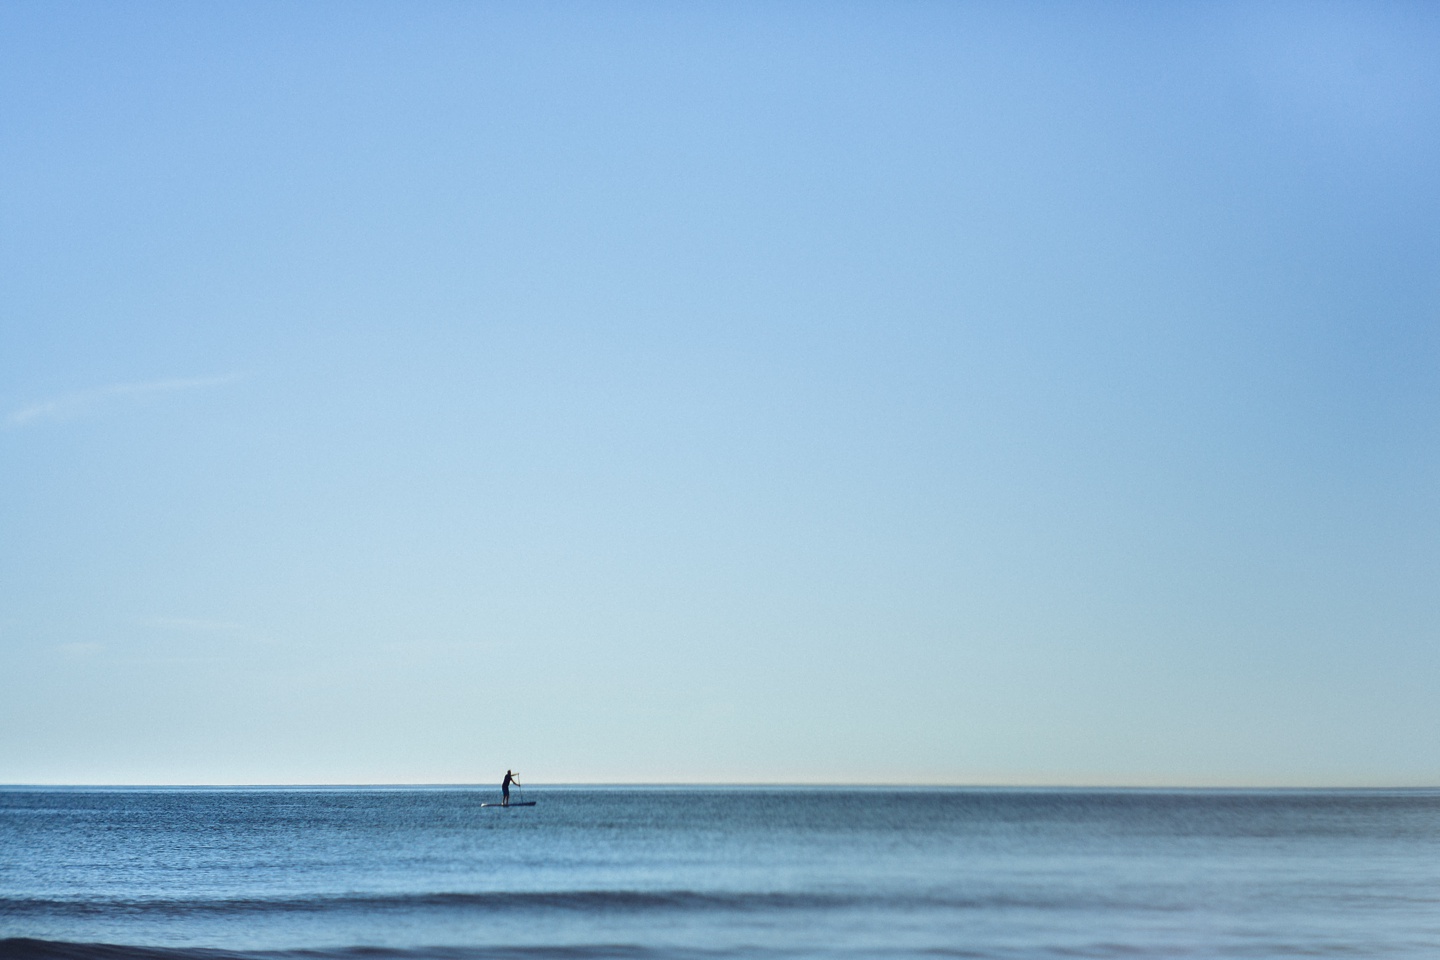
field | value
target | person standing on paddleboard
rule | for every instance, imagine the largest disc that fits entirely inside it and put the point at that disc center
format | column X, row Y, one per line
column 505, row 788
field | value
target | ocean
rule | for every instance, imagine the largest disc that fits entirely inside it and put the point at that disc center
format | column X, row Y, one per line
column 661, row 872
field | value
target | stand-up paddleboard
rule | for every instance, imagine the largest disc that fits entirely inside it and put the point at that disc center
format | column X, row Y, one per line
column 513, row 803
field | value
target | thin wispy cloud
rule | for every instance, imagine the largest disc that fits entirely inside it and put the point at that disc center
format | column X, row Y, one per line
column 196, row 624
column 73, row 405
column 205, row 631
column 81, row 651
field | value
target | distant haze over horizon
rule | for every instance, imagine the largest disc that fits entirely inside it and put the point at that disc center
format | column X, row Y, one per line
column 876, row 786
column 956, row 394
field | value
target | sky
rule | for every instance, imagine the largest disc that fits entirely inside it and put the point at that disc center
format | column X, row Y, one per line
column 903, row 392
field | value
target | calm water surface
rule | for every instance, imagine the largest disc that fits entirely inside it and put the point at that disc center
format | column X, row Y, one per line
column 688, row 872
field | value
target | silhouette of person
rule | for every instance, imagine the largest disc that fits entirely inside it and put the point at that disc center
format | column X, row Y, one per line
column 505, row 788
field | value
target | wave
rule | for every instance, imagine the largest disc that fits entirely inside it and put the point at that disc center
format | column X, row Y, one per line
column 577, row 900
column 27, row 949
column 580, row 901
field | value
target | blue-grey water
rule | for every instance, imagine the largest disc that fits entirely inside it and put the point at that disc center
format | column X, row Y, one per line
column 716, row 873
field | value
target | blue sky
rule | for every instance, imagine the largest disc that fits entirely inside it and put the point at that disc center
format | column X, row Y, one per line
column 954, row 393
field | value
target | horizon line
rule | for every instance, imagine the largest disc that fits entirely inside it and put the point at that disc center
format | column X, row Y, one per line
column 733, row 785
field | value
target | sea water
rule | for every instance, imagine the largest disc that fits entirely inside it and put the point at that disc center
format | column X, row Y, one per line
column 716, row 873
